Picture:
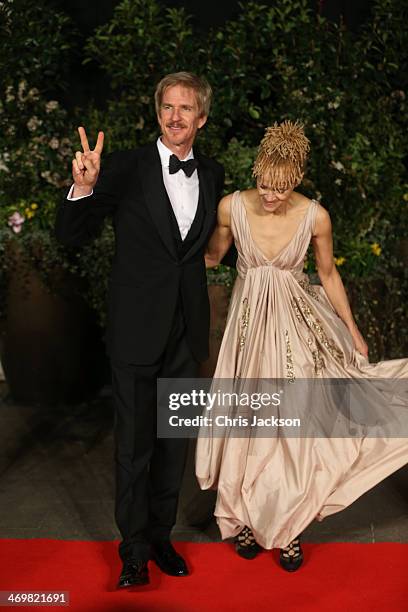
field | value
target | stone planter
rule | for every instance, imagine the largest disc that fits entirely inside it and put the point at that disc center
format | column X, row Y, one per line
column 219, row 299
column 51, row 346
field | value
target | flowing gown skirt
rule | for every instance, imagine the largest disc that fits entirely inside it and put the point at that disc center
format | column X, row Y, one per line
column 281, row 327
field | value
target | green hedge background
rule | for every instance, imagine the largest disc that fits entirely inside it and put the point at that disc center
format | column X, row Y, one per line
column 268, row 64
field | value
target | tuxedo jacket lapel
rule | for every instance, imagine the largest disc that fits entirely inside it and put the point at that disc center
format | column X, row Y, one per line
column 206, row 197
column 158, row 201
column 156, row 196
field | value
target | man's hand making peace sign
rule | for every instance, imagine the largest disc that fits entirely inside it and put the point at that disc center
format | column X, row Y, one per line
column 86, row 165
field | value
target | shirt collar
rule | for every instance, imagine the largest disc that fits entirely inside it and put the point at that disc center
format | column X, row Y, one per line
column 165, row 153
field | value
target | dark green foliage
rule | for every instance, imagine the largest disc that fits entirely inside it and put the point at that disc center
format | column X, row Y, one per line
column 35, row 133
column 270, row 64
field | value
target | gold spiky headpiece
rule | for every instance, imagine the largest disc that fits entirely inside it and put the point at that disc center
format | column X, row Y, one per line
column 284, row 145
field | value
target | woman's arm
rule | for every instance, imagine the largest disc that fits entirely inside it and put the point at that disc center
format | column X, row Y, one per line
column 221, row 238
column 333, row 285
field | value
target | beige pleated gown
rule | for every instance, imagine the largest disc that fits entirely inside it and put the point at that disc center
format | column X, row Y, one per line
column 279, row 326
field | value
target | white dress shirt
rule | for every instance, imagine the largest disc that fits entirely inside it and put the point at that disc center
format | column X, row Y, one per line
column 183, row 191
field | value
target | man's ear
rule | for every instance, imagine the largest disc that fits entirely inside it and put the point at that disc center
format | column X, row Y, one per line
column 202, row 121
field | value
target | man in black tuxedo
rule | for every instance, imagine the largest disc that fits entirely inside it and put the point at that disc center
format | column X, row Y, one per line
column 163, row 199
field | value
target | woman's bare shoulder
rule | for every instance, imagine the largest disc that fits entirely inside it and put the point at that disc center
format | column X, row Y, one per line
column 225, row 202
column 323, row 221
column 299, row 204
column 249, row 193
column 249, row 196
column 303, row 201
column 224, row 209
column 322, row 211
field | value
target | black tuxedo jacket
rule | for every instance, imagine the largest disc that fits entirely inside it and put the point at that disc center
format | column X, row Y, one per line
column 148, row 279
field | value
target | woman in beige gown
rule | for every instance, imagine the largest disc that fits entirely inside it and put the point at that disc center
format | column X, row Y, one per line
column 279, row 326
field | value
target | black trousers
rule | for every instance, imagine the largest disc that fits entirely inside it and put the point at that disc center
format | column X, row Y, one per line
column 149, row 470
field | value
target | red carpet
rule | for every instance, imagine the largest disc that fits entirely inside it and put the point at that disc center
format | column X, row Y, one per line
column 334, row 577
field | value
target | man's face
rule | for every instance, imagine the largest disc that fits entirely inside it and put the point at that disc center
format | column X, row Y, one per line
column 179, row 118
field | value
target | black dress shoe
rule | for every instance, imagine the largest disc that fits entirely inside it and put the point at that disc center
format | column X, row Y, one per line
column 168, row 560
column 134, row 572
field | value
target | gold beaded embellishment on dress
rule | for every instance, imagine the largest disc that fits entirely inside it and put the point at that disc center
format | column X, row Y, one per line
column 244, row 323
column 318, row 360
column 315, row 325
column 297, row 311
column 308, row 288
column 290, row 370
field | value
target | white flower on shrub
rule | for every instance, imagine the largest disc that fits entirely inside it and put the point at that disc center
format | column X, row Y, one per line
column 52, row 177
column 34, row 123
column 334, row 105
column 16, row 221
column 54, row 143
column 10, row 94
column 22, row 86
column 65, row 148
column 338, row 165
column 33, row 94
column 51, row 106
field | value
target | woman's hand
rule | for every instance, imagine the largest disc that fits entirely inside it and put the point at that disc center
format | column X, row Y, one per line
column 209, row 261
column 359, row 343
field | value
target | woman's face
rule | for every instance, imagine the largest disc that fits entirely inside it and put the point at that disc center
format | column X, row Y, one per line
column 272, row 197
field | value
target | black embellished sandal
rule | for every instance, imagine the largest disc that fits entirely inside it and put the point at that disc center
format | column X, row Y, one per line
column 291, row 557
column 246, row 545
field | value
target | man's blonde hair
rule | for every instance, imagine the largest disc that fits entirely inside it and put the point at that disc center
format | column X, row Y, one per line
column 199, row 85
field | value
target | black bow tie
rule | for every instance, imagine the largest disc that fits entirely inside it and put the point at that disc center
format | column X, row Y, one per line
column 188, row 166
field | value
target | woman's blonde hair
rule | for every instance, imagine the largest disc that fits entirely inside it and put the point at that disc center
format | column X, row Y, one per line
column 284, row 147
